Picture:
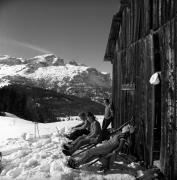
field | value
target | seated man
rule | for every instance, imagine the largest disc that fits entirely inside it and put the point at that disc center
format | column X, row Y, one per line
column 81, row 129
column 115, row 144
column 92, row 138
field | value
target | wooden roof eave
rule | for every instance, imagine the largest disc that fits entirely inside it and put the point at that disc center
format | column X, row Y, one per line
column 113, row 35
column 114, row 32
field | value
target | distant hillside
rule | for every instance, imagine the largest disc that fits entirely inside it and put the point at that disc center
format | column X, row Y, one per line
column 37, row 104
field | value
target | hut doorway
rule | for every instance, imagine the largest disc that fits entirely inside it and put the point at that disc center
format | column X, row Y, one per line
column 157, row 96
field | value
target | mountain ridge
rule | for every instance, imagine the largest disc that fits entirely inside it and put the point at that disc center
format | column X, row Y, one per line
column 51, row 72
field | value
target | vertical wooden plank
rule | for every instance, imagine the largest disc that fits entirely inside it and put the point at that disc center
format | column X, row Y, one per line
column 140, row 22
column 173, row 99
column 114, row 89
column 147, row 15
column 164, row 104
column 132, row 19
column 120, row 95
column 150, row 97
column 175, row 120
column 163, row 11
column 124, row 29
column 143, row 19
column 168, row 102
column 117, row 90
column 139, row 146
column 123, row 75
column 175, row 7
column 129, row 26
column 154, row 13
column 166, row 11
column 171, row 12
column 137, row 29
column 135, row 20
column 171, row 94
column 159, row 12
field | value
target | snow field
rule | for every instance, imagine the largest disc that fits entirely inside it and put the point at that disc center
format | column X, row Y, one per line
column 28, row 158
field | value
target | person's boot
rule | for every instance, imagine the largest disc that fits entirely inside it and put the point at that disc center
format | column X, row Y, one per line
column 67, row 136
column 72, row 163
column 104, row 168
column 66, row 147
column 66, row 152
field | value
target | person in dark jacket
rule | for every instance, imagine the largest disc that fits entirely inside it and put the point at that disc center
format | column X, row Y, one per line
column 81, row 129
column 92, row 138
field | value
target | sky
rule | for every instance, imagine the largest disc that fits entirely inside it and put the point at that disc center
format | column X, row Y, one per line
column 70, row 29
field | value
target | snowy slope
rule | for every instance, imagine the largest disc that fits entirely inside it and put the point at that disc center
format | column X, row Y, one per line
column 29, row 158
column 50, row 72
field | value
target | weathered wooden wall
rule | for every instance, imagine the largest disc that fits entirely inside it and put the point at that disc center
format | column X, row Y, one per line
column 135, row 66
column 139, row 18
column 169, row 61
column 131, row 50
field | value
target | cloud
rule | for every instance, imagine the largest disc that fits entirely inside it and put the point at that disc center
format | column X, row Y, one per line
column 31, row 46
column 34, row 47
column 24, row 45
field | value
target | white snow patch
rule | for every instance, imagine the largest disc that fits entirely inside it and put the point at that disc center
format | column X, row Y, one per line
column 4, row 82
column 104, row 73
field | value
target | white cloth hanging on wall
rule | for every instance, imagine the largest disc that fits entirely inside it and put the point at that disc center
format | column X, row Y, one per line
column 155, row 78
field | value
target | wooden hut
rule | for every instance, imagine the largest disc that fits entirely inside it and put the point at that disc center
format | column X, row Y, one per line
column 142, row 41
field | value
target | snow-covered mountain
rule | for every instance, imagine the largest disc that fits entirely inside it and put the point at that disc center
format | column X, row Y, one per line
column 50, row 72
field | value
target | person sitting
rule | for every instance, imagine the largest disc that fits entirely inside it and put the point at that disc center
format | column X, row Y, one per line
column 113, row 145
column 81, row 129
column 92, row 138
